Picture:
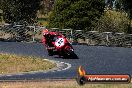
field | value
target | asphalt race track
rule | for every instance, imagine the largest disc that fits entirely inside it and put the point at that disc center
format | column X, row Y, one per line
column 95, row 60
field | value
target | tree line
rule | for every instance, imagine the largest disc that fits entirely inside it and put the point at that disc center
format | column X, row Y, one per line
column 101, row 15
column 74, row 14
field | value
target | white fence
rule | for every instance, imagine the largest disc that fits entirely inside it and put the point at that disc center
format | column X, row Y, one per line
column 81, row 37
column 97, row 38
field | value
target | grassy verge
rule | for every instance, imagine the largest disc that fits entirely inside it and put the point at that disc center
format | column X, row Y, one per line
column 60, row 84
column 16, row 64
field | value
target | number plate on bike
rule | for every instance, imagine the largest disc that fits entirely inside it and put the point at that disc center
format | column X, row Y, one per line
column 59, row 42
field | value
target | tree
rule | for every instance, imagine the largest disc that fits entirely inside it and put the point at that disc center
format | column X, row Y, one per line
column 16, row 10
column 46, row 6
column 112, row 21
column 126, row 5
column 76, row 14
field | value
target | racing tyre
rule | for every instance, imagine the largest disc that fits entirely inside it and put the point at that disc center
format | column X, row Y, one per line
column 70, row 55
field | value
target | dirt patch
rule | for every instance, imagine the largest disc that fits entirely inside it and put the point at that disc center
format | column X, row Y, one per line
column 59, row 84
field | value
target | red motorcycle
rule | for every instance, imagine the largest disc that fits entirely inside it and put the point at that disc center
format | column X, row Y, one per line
column 62, row 47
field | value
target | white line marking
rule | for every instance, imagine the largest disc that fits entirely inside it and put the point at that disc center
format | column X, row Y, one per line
column 68, row 66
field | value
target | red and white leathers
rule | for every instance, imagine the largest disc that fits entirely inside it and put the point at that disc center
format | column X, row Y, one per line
column 48, row 37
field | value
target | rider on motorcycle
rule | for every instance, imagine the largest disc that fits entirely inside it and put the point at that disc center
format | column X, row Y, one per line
column 57, row 43
column 48, row 38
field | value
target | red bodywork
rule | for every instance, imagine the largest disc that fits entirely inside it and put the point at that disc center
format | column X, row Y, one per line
column 64, row 47
column 61, row 44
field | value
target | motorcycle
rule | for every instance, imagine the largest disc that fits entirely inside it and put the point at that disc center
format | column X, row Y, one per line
column 62, row 47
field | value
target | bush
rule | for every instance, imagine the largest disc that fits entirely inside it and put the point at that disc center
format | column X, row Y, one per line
column 113, row 21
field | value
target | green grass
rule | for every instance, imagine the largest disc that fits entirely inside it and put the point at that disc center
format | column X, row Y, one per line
column 16, row 64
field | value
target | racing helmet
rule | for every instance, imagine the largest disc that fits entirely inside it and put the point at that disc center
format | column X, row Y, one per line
column 45, row 31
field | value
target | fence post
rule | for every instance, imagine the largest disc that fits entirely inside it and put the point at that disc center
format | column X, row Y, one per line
column 71, row 33
column 78, row 32
column 71, row 36
column 107, row 38
column 34, row 30
column 90, row 37
column 33, row 38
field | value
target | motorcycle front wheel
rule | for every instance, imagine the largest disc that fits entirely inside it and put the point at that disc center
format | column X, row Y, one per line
column 70, row 54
